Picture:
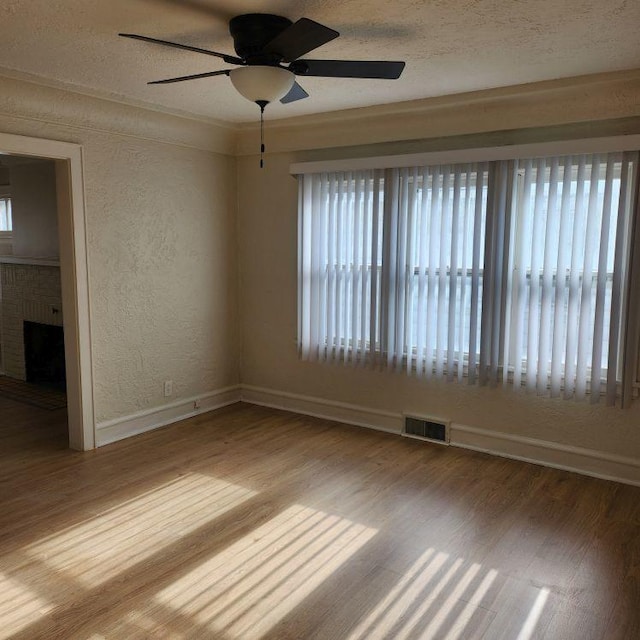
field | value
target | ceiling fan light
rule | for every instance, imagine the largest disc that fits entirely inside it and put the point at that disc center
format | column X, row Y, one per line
column 262, row 82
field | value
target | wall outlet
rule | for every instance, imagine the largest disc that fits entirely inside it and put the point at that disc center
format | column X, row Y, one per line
column 168, row 388
column 196, row 404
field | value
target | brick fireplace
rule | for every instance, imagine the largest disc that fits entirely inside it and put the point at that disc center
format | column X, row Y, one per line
column 30, row 292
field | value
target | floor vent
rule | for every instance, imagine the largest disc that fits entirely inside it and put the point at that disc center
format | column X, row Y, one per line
column 426, row 429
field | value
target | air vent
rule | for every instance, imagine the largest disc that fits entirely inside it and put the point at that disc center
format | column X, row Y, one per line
column 426, row 429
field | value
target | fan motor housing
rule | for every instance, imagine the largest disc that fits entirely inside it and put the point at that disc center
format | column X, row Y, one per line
column 251, row 32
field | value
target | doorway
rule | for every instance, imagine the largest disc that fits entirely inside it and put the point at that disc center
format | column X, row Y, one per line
column 61, row 329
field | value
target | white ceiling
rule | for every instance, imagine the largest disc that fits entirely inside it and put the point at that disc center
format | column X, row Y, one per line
column 450, row 46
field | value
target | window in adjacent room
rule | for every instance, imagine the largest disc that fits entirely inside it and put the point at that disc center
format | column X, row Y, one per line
column 6, row 225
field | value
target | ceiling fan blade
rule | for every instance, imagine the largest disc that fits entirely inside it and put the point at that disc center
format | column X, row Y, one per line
column 186, row 47
column 196, row 76
column 296, row 93
column 301, row 37
column 348, row 68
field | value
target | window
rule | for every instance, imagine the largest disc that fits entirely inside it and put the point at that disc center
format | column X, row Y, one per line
column 6, row 225
column 504, row 272
column 437, row 228
column 563, row 272
column 342, row 264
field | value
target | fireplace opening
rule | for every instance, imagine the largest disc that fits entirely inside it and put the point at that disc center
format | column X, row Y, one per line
column 44, row 355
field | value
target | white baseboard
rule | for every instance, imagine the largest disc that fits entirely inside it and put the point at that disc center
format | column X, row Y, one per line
column 550, row 454
column 588, row 462
column 113, row 430
column 320, row 408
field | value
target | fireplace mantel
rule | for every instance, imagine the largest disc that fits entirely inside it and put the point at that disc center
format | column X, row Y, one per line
column 38, row 262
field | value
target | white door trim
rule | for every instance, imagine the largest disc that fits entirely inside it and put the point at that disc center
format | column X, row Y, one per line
column 74, row 278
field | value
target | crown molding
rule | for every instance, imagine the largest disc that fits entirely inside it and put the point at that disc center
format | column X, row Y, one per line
column 595, row 97
column 598, row 97
column 37, row 99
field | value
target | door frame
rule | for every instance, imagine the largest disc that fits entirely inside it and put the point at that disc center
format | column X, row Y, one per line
column 74, row 276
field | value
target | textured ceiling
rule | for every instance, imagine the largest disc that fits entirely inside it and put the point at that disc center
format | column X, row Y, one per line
column 450, row 46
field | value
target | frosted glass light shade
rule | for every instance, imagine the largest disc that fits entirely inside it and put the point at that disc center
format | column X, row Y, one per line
column 260, row 82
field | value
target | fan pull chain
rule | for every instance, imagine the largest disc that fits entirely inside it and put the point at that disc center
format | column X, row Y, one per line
column 262, row 137
column 262, row 104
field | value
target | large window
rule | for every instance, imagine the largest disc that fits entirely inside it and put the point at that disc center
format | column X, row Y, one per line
column 506, row 272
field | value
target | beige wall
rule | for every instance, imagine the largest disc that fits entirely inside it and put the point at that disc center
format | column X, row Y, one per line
column 34, row 210
column 161, row 227
column 268, row 289
column 169, row 209
column 161, row 231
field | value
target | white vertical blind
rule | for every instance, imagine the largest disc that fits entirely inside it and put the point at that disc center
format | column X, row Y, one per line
column 340, row 260
column 567, row 264
column 512, row 272
column 427, row 226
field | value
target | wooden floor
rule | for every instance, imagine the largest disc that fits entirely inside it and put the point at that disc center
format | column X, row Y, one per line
column 252, row 523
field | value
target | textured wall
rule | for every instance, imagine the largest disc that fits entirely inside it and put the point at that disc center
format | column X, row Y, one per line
column 161, row 224
column 161, row 244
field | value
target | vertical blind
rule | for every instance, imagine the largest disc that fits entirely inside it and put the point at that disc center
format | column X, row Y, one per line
column 560, row 227
column 432, row 286
column 508, row 272
column 340, row 265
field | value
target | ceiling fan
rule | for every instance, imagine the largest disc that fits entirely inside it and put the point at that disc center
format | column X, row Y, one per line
column 269, row 50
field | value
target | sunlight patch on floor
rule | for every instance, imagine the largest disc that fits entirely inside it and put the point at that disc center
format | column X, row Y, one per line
column 252, row 585
column 104, row 546
column 442, row 597
column 19, row 606
column 534, row 615
column 443, row 610
column 392, row 605
column 457, row 628
column 397, row 610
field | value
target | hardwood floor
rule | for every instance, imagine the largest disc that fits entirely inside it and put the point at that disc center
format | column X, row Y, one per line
column 251, row 523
